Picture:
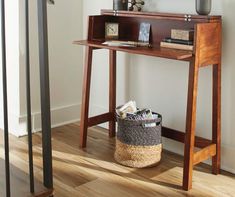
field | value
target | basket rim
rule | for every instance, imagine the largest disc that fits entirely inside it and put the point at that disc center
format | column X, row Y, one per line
column 158, row 119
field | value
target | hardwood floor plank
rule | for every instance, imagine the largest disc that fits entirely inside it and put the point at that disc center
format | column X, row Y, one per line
column 20, row 183
column 93, row 172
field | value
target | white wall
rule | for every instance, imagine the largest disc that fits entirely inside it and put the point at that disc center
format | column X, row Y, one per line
column 64, row 26
column 65, row 59
column 162, row 84
column 99, row 96
column 12, row 56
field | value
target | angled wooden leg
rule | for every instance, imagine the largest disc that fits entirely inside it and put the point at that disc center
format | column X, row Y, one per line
column 112, row 91
column 216, row 117
column 85, row 97
column 190, row 126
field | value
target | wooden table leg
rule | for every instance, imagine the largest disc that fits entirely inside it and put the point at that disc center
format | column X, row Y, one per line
column 112, row 91
column 216, row 117
column 190, row 125
column 85, row 97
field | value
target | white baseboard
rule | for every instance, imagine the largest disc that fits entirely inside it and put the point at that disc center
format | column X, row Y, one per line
column 59, row 116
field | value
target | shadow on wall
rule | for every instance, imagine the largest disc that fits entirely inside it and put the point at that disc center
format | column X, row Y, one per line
column 126, row 78
column 228, row 67
column 228, row 27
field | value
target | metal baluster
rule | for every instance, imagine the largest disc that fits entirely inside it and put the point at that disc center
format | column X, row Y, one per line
column 28, row 98
column 45, row 93
column 5, row 110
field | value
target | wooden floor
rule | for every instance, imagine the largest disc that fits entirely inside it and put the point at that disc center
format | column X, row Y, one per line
column 94, row 173
column 20, row 179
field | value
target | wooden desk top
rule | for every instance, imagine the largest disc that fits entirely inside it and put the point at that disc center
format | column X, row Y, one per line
column 155, row 51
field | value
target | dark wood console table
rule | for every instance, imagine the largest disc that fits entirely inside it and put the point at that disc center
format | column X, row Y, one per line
column 207, row 51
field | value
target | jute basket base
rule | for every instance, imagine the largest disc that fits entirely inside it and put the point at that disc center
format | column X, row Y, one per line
column 137, row 156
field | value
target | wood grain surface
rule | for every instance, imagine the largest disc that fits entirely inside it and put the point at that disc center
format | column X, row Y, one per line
column 93, row 172
column 19, row 171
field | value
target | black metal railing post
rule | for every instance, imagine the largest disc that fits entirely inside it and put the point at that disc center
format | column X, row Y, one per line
column 45, row 97
column 5, row 108
column 28, row 98
column 45, row 93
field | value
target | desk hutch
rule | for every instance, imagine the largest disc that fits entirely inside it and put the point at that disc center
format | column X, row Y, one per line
column 207, row 51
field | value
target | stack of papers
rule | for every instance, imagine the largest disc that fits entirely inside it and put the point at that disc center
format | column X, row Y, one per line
column 129, row 111
column 117, row 43
column 128, row 108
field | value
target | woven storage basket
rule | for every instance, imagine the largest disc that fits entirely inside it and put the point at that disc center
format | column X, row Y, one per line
column 138, row 145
